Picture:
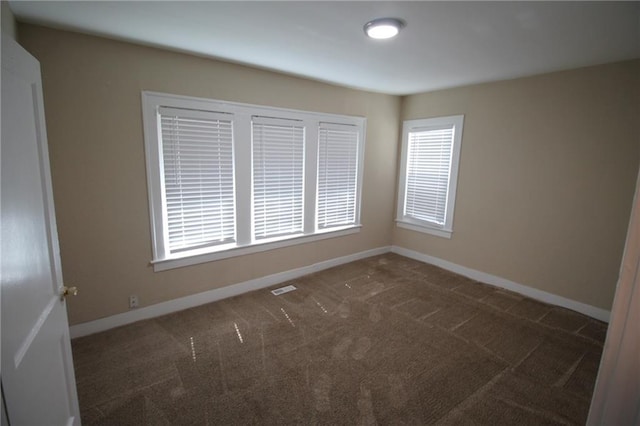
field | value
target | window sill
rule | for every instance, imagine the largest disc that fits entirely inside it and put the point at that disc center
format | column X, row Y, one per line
column 426, row 229
column 225, row 252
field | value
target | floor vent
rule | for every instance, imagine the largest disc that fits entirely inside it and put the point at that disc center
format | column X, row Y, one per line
column 282, row 290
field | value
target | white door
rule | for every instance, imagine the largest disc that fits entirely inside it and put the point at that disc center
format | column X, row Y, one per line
column 616, row 397
column 37, row 370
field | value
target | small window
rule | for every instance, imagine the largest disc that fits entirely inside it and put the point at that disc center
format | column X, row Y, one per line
column 429, row 174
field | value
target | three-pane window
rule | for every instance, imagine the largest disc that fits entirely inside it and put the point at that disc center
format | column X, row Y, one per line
column 224, row 177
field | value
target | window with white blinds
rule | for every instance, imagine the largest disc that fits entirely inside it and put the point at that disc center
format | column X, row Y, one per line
column 197, row 154
column 431, row 150
column 428, row 167
column 278, row 177
column 227, row 179
column 337, row 175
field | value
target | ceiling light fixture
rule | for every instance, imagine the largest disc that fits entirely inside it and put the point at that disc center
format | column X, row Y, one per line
column 383, row 28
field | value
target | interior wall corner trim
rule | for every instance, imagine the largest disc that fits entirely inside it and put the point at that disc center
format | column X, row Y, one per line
column 543, row 296
column 152, row 311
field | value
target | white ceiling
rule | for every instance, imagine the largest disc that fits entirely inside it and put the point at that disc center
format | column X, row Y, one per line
column 444, row 44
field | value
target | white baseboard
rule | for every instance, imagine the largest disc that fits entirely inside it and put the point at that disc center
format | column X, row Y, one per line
column 102, row 324
column 543, row 296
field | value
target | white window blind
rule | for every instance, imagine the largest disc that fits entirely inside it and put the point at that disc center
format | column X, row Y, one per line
column 197, row 160
column 278, row 177
column 337, row 175
column 428, row 173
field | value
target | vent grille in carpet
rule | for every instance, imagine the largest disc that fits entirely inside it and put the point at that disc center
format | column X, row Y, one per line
column 282, row 290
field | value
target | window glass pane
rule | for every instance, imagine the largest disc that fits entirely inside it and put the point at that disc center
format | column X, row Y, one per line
column 428, row 169
column 278, row 178
column 337, row 176
column 197, row 159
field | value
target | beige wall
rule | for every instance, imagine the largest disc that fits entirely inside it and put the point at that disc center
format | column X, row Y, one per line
column 547, row 171
column 547, row 174
column 8, row 21
column 92, row 103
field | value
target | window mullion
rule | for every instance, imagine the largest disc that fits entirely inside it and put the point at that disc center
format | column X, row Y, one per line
column 311, row 176
column 360, row 171
column 242, row 169
column 160, row 210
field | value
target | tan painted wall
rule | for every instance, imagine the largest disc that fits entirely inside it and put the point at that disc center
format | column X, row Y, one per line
column 92, row 103
column 547, row 175
column 8, row 21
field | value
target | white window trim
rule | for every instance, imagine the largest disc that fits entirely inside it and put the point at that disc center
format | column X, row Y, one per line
column 414, row 224
column 194, row 258
column 242, row 115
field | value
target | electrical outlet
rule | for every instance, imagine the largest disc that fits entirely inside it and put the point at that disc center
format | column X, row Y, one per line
column 133, row 301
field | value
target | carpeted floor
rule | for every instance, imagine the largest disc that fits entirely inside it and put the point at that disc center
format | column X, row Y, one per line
column 385, row 340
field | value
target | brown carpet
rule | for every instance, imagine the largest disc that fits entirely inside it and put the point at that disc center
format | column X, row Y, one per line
column 385, row 340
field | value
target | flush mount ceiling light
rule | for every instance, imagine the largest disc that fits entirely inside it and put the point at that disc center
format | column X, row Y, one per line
column 383, row 28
